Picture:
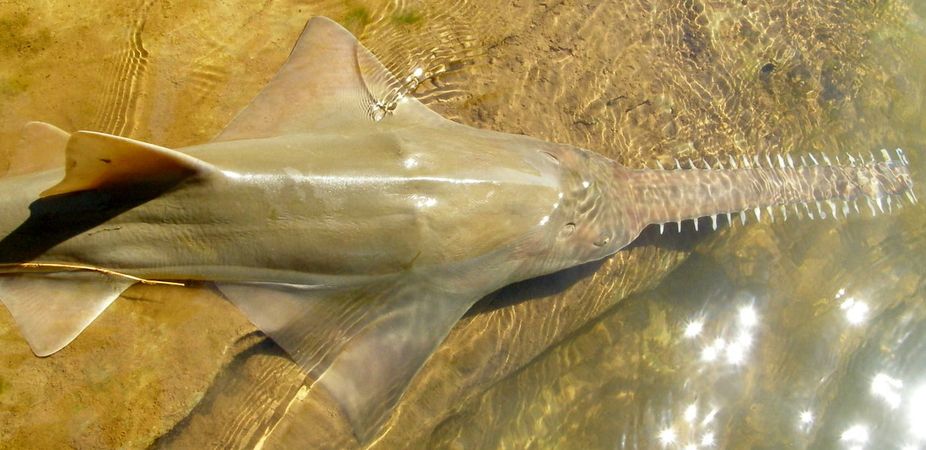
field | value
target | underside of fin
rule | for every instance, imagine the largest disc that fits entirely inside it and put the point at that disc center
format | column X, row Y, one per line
column 51, row 309
column 40, row 147
column 100, row 161
column 329, row 81
column 364, row 343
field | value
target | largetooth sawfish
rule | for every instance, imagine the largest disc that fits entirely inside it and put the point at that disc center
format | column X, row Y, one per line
column 355, row 237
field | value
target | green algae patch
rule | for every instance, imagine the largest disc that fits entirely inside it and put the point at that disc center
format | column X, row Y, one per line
column 357, row 17
column 12, row 86
column 406, row 17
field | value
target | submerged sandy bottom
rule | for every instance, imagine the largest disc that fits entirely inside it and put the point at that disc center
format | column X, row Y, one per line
column 595, row 357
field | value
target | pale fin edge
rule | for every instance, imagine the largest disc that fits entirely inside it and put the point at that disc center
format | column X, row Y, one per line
column 40, row 147
column 52, row 309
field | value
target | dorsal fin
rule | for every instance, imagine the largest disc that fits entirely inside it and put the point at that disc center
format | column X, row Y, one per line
column 40, row 147
column 98, row 161
column 329, row 81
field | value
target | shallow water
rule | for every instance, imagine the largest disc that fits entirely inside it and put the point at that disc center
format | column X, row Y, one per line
column 774, row 335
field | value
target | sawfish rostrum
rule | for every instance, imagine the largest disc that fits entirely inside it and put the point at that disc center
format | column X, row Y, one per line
column 356, row 239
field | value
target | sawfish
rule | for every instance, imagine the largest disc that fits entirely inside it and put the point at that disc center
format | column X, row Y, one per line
column 353, row 233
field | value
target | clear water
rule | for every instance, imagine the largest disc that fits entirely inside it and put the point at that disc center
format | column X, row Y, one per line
column 805, row 334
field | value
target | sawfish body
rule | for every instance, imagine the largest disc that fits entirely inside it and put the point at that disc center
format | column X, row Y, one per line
column 310, row 208
column 354, row 240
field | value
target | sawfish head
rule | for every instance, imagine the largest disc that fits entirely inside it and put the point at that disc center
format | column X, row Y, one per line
column 596, row 214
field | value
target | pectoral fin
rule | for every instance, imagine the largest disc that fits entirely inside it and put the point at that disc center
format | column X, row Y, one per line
column 51, row 309
column 364, row 344
column 329, row 81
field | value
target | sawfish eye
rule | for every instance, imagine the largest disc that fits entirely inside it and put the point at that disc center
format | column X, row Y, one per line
column 602, row 241
column 567, row 230
column 551, row 156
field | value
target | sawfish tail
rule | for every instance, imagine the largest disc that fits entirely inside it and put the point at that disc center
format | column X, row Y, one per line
column 772, row 186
